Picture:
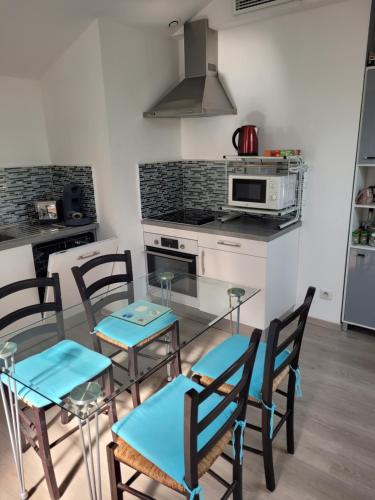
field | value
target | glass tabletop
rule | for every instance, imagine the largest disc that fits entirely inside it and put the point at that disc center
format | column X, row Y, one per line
column 30, row 356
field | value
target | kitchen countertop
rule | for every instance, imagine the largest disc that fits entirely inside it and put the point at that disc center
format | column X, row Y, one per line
column 34, row 233
column 248, row 227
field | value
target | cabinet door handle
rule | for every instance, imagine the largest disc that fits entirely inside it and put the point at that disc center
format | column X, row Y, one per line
column 361, row 255
column 88, row 255
column 203, row 269
column 369, row 157
column 229, row 244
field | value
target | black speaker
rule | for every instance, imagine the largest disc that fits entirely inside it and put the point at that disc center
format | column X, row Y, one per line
column 72, row 206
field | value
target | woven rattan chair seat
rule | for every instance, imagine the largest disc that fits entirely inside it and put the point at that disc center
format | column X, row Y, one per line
column 129, row 456
column 226, row 388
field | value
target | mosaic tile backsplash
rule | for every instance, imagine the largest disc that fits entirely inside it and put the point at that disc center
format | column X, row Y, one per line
column 161, row 188
column 21, row 186
column 170, row 186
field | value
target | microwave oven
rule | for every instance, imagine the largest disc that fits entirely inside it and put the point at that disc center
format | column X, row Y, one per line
column 271, row 192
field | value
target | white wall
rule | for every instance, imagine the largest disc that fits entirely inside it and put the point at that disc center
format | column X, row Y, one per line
column 94, row 97
column 73, row 93
column 299, row 78
column 23, row 137
column 138, row 66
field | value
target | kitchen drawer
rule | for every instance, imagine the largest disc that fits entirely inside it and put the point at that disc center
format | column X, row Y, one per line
column 234, row 245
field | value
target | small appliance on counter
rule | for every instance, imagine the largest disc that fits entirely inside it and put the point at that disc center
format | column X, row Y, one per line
column 247, row 140
column 46, row 211
column 270, row 192
column 72, row 206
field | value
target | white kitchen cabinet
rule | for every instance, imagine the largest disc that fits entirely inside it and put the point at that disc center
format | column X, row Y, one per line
column 270, row 266
column 17, row 264
column 237, row 268
column 62, row 263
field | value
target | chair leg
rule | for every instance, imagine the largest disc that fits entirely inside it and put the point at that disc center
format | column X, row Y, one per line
column 290, row 419
column 24, row 444
column 65, row 417
column 196, row 497
column 45, row 452
column 114, row 471
column 108, row 390
column 267, row 450
column 133, row 372
column 237, row 469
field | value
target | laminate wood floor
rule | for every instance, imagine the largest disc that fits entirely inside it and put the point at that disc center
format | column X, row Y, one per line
column 334, row 422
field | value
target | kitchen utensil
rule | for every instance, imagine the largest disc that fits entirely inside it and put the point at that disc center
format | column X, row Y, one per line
column 247, row 140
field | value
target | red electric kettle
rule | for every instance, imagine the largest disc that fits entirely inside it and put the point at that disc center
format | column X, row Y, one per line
column 247, row 140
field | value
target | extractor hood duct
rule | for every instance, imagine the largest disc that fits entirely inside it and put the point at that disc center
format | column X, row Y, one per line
column 201, row 93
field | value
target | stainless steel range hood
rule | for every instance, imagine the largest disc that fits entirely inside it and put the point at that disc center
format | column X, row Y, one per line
column 201, row 93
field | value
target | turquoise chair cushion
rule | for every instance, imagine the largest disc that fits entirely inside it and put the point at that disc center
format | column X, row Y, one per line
column 155, row 429
column 130, row 334
column 55, row 372
column 225, row 354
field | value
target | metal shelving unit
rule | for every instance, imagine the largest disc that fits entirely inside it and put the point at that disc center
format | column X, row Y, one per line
column 263, row 165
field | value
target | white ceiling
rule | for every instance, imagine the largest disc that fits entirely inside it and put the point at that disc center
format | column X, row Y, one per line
column 33, row 33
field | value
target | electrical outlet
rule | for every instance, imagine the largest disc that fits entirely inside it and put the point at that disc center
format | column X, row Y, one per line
column 325, row 294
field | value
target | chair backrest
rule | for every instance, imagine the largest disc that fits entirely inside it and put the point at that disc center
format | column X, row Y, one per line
column 87, row 291
column 38, row 308
column 238, row 394
column 292, row 342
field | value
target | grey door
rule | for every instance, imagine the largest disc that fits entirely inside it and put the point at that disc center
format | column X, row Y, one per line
column 366, row 152
column 359, row 304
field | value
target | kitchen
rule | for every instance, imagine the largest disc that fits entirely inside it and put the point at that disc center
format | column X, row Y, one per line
column 295, row 70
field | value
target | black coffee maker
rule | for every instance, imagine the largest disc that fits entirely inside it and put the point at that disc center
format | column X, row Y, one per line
column 72, row 206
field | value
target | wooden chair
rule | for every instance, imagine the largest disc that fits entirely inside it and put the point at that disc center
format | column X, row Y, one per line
column 53, row 371
column 176, row 435
column 276, row 362
column 168, row 323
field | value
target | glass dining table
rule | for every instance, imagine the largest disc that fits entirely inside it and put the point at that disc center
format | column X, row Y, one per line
column 201, row 310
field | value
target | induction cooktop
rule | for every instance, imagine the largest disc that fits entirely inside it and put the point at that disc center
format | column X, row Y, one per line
column 192, row 216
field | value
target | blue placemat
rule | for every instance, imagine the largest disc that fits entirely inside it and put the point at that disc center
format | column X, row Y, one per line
column 141, row 312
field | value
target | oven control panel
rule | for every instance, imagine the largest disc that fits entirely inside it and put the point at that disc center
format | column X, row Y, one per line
column 170, row 242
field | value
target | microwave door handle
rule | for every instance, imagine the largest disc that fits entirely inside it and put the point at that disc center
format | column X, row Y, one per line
column 173, row 257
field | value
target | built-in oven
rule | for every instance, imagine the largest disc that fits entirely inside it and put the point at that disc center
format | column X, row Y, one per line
column 175, row 255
